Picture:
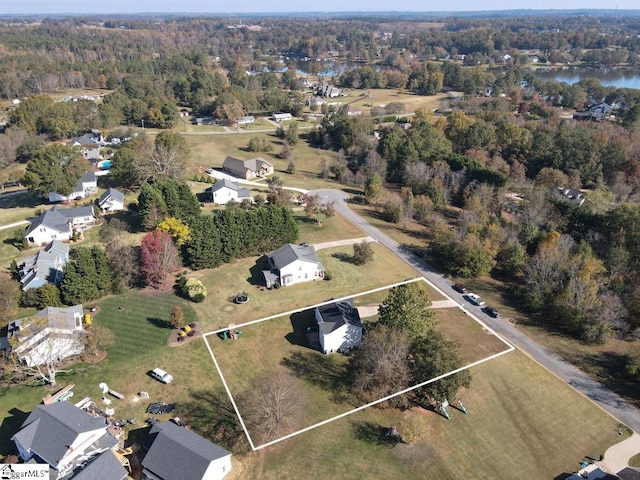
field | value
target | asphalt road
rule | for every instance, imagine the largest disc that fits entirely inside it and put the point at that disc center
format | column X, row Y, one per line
column 598, row 393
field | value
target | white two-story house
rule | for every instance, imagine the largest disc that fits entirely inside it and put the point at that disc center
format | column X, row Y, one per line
column 291, row 264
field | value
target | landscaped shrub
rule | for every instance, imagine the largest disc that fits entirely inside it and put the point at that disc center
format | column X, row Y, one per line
column 193, row 289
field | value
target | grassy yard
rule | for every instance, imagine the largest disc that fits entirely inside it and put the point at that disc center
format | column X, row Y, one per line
column 332, row 229
column 139, row 323
column 522, row 421
column 224, row 282
column 281, row 344
column 211, row 150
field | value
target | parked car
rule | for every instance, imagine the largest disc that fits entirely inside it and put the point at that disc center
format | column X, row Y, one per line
column 492, row 312
column 161, row 375
column 475, row 299
column 460, row 288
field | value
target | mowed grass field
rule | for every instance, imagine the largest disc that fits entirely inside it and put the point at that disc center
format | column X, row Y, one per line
column 138, row 322
column 280, row 344
column 223, row 283
column 522, row 422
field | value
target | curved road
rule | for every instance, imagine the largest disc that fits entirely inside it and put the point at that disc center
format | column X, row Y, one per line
column 595, row 391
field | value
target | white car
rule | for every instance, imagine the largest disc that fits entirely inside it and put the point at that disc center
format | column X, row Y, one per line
column 475, row 299
column 161, row 375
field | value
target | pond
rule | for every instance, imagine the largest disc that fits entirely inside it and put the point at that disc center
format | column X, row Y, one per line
column 620, row 78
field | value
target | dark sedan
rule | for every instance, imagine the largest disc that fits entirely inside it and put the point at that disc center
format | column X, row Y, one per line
column 460, row 288
column 492, row 312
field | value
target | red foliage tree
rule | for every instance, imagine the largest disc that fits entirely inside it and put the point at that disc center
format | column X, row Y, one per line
column 158, row 257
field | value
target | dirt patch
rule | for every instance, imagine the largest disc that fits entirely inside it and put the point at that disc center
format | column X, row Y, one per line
column 97, row 358
column 175, row 340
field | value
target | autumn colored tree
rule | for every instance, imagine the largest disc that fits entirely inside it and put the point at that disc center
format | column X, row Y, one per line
column 177, row 317
column 158, row 257
column 175, row 227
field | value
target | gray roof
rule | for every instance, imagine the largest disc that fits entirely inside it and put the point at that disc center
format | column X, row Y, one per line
column 59, row 317
column 111, row 193
column 86, row 140
column 50, row 429
column 103, row 467
column 175, row 452
column 45, row 264
column 225, row 182
column 58, row 217
column 253, row 164
column 336, row 314
column 53, row 219
column 289, row 253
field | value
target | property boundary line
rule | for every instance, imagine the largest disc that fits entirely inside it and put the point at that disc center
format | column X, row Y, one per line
column 509, row 349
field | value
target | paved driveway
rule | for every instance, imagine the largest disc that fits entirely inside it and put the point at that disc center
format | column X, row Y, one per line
column 598, row 393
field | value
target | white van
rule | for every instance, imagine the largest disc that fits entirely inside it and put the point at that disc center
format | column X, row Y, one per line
column 161, row 375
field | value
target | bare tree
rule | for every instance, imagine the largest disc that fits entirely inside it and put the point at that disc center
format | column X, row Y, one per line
column 272, row 404
column 380, row 366
column 40, row 348
column 316, row 209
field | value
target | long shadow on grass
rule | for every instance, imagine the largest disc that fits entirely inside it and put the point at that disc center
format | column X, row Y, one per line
column 211, row 414
column 10, row 425
column 305, row 330
column 323, row 371
column 159, row 322
column 257, row 278
column 373, row 433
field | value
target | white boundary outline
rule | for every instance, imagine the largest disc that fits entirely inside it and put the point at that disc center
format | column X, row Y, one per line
column 509, row 349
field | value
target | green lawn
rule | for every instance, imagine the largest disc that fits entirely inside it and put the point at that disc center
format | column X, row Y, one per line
column 334, row 228
column 522, row 422
column 138, row 321
column 224, row 282
column 281, row 344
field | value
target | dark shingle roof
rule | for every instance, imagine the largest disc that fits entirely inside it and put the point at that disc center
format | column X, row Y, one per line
column 50, row 429
column 113, row 193
column 289, row 253
column 175, row 452
column 336, row 314
column 103, row 467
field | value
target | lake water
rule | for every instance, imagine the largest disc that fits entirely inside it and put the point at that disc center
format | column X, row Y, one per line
column 609, row 78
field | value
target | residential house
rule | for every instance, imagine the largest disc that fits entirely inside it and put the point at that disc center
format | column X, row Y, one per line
column 52, row 333
column 111, row 200
column 594, row 472
column 206, row 121
column 224, row 191
column 595, row 113
column 325, row 89
column 339, row 326
column 291, row 264
column 570, row 195
column 89, row 144
column 87, row 185
column 315, row 100
column 59, row 224
column 174, row 452
column 247, row 169
column 247, row 119
column 75, row 444
column 282, row 117
column 45, row 266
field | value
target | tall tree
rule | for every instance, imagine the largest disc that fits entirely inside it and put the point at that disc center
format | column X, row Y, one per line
column 55, row 168
column 407, row 308
column 158, row 257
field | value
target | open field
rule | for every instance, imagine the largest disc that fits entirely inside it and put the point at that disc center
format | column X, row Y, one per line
column 224, row 282
column 280, row 344
column 521, row 422
column 211, row 150
column 377, row 97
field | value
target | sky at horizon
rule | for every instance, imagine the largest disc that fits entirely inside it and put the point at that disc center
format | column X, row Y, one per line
column 280, row 6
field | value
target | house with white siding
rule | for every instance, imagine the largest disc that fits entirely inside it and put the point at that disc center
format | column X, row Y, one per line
column 44, row 267
column 292, row 264
column 339, row 326
column 224, row 191
column 59, row 224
